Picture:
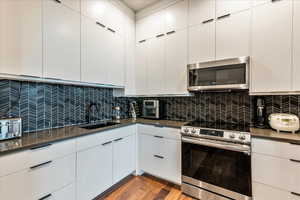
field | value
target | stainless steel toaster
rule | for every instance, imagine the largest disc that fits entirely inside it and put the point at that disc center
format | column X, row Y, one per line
column 10, row 128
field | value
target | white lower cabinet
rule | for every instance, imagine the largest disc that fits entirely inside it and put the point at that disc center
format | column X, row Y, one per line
column 66, row 193
column 94, row 171
column 160, row 157
column 275, row 170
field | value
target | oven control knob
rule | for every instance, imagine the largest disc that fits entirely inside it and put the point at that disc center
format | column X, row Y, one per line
column 193, row 131
column 242, row 137
column 232, row 136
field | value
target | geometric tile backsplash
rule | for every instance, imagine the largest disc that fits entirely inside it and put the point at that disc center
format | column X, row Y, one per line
column 44, row 106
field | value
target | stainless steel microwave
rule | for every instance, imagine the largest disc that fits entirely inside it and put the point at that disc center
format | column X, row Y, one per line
column 227, row 74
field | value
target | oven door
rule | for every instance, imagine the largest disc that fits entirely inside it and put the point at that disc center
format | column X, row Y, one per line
column 224, row 169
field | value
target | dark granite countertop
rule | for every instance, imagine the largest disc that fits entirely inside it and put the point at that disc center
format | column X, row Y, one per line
column 33, row 139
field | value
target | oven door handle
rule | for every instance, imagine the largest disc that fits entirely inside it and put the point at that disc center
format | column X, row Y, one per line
column 217, row 144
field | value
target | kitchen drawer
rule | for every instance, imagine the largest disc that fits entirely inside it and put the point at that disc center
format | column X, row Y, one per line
column 263, row 192
column 165, row 132
column 277, row 172
column 66, row 193
column 38, row 181
column 274, row 148
column 21, row 160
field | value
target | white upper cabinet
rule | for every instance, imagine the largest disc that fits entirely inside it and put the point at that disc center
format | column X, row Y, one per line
column 272, row 47
column 115, row 19
column 61, row 41
column 202, row 42
column 224, row 7
column 73, row 4
column 21, row 37
column 296, row 42
column 96, row 9
column 141, row 68
column 176, row 16
column 95, row 52
column 176, row 63
column 233, row 35
column 200, row 11
column 156, row 65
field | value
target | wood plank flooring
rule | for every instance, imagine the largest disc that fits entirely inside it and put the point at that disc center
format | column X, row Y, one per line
column 146, row 188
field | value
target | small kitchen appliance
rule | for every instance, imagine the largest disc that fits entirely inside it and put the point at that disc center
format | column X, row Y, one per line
column 227, row 74
column 260, row 121
column 10, row 128
column 216, row 161
column 153, row 109
column 284, row 122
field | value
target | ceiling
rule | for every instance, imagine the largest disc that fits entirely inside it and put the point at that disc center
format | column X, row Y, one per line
column 138, row 5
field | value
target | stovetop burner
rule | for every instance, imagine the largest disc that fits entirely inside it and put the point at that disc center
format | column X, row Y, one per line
column 219, row 126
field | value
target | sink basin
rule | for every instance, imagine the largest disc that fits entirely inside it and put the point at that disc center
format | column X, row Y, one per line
column 99, row 125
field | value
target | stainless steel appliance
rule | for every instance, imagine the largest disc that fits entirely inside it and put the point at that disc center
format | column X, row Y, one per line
column 152, row 109
column 228, row 74
column 216, row 161
column 10, row 128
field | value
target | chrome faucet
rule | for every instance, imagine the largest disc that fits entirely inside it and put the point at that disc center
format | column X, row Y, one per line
column 89, row 118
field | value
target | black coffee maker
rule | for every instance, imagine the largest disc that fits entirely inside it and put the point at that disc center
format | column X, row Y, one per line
column 260, row 114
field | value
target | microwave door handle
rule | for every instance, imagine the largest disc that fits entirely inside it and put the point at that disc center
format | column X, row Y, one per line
column 220, row 145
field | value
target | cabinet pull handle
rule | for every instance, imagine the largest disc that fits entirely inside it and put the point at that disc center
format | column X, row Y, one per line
column 41, row 146
column 157, row 136
column 157, row 156
column 296, row 194
column 111, row 30
column 293, row 160
column 116, row 140
column 160, row 35
column 45, row 197
column 273, row 1
column 294, row 143
column 207, row 21
column 171, row 32
column 106, row 143
column 224, row 16
column 102, row 25
column 58, row 1
column 40, row 165
column 142, row 41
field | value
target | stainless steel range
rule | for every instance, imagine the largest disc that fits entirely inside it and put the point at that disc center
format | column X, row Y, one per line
column 216, row 161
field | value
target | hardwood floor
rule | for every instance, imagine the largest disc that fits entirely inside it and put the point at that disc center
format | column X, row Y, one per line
column 146, row 188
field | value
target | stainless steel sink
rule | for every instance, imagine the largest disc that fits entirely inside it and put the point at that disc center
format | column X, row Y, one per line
column 99, row 125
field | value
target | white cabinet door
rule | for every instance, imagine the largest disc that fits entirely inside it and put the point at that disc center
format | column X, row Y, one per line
column 224, row 7
column 272, row 47
column 176, row 63
column 233, row 35
column 115, row 19
column 96, row 9
column 21, row 37
column 201, row 11
column 116, row 60
column 296, row 47
column 66, row 193
column 123, row 157
column 156, row 65
column 61, row 41
column 73, row 4
column 176, row 16
column 95, row 52
column 141, row 68
column 202, row 42
column 94, row 171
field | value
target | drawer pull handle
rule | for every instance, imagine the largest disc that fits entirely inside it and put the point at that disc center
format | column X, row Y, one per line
column 102, row 25
column 45, row 197
column 106, row 143
column 142, row 41
column 171, row 32
column 293, row 160
column 157, row 136
column 207, row 21
column 116, row 140
column 160, row 35
column 58, row 1
column 111, row 30
column 224, row 16
column 296, row 194
column 41, row 146
column 40, row 165
column 157, row 156
column 273, row 1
